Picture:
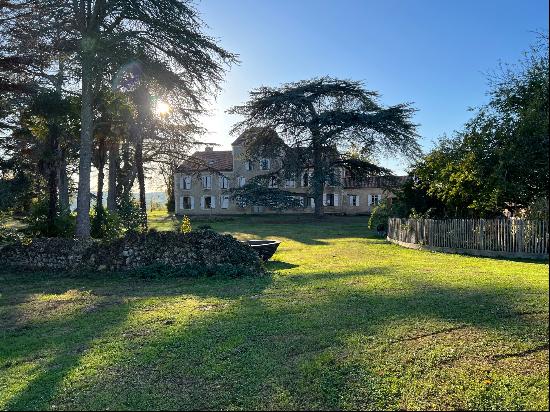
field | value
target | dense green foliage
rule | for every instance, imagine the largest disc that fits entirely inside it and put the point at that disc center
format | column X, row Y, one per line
column 346, row 321
column 256, row 193
column 500, row 159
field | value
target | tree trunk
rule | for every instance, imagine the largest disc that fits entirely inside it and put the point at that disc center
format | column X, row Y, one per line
column 141, row 181
column 85, row 161
column 53, row 143
column 113, row 169
column 171, row 201
column 63, row 185
column 52, row 200
column 318, row 177
column 100, row 173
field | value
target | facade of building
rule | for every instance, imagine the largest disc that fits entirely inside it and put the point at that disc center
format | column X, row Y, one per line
column 203, row 182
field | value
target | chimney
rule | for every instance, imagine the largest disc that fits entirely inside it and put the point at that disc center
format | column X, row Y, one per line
column 208, row 149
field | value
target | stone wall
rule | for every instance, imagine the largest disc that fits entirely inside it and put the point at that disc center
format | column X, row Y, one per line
column 204, row 248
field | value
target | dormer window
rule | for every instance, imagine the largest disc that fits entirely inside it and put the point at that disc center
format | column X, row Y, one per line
column 265, row 164
column 248, row 165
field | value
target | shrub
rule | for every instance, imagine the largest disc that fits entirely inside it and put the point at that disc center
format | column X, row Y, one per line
column 130, row 214
column 380, row 214
column 37, row 222
column 186, row 225
column 106, row 225
column 8, row 234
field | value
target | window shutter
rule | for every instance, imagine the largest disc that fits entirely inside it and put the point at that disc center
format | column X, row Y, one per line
column 213, row 202
column 181, row 182
column 181, row 202
column 202, row 202
column 312, row 203
column 335, row 200
column 324, row 199
column 357, row 200
column 224, row 202
column 192, row 202
column 370, row 200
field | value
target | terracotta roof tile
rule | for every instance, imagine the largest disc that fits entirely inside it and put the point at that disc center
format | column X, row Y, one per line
column 208, row 160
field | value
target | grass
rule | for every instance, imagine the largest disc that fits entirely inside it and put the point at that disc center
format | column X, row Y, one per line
column 345, row 321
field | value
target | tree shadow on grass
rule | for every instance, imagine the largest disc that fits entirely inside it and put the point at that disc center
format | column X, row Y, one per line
column 317, row 231
column 279, row 265
column 56, row 346
column 288, row 351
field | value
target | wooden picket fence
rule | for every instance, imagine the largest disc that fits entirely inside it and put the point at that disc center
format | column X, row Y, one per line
column 487, row 237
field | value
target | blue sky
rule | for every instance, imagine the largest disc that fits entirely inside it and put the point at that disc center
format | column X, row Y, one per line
column 432, row 53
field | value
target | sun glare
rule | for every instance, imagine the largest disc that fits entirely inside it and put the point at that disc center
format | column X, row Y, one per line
column 162, row 108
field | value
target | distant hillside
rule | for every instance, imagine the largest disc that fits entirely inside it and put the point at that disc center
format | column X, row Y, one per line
column 155, row 197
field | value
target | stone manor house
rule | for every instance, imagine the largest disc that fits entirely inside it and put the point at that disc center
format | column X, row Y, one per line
column 203, row 181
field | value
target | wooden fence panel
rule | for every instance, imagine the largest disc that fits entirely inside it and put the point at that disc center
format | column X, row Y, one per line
column 506, row 237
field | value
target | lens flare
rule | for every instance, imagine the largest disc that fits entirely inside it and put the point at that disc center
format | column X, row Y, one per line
column 162, row 108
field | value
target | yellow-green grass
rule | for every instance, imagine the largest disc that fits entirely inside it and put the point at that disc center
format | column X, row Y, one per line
column 344, row 321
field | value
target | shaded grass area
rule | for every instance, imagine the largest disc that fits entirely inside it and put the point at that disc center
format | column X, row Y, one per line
column 344, row 321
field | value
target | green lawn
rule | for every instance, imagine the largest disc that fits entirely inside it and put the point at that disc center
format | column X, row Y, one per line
column 345, row 321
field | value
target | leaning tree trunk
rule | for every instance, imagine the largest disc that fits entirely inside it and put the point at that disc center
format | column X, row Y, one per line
column 113, row 169
column 85, row 162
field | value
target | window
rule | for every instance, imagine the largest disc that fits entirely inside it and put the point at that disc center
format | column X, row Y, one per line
column 299, row 200
column 353, row 200
column 185, row 183
column 186, row 202
column 374, row 200
column 290, row 183
column 224, row 202
column 208, row 202
column 224, row 182
column 206, row 182
column 272, row 182
column 330, row 199
column 241, row 180
column 248, row 165
column 265, row 164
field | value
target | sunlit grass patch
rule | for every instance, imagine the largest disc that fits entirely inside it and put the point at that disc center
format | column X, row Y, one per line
column 343, row 321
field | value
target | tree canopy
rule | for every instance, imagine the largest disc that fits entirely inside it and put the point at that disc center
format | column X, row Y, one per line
column 321, row 121
column 500, row 159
